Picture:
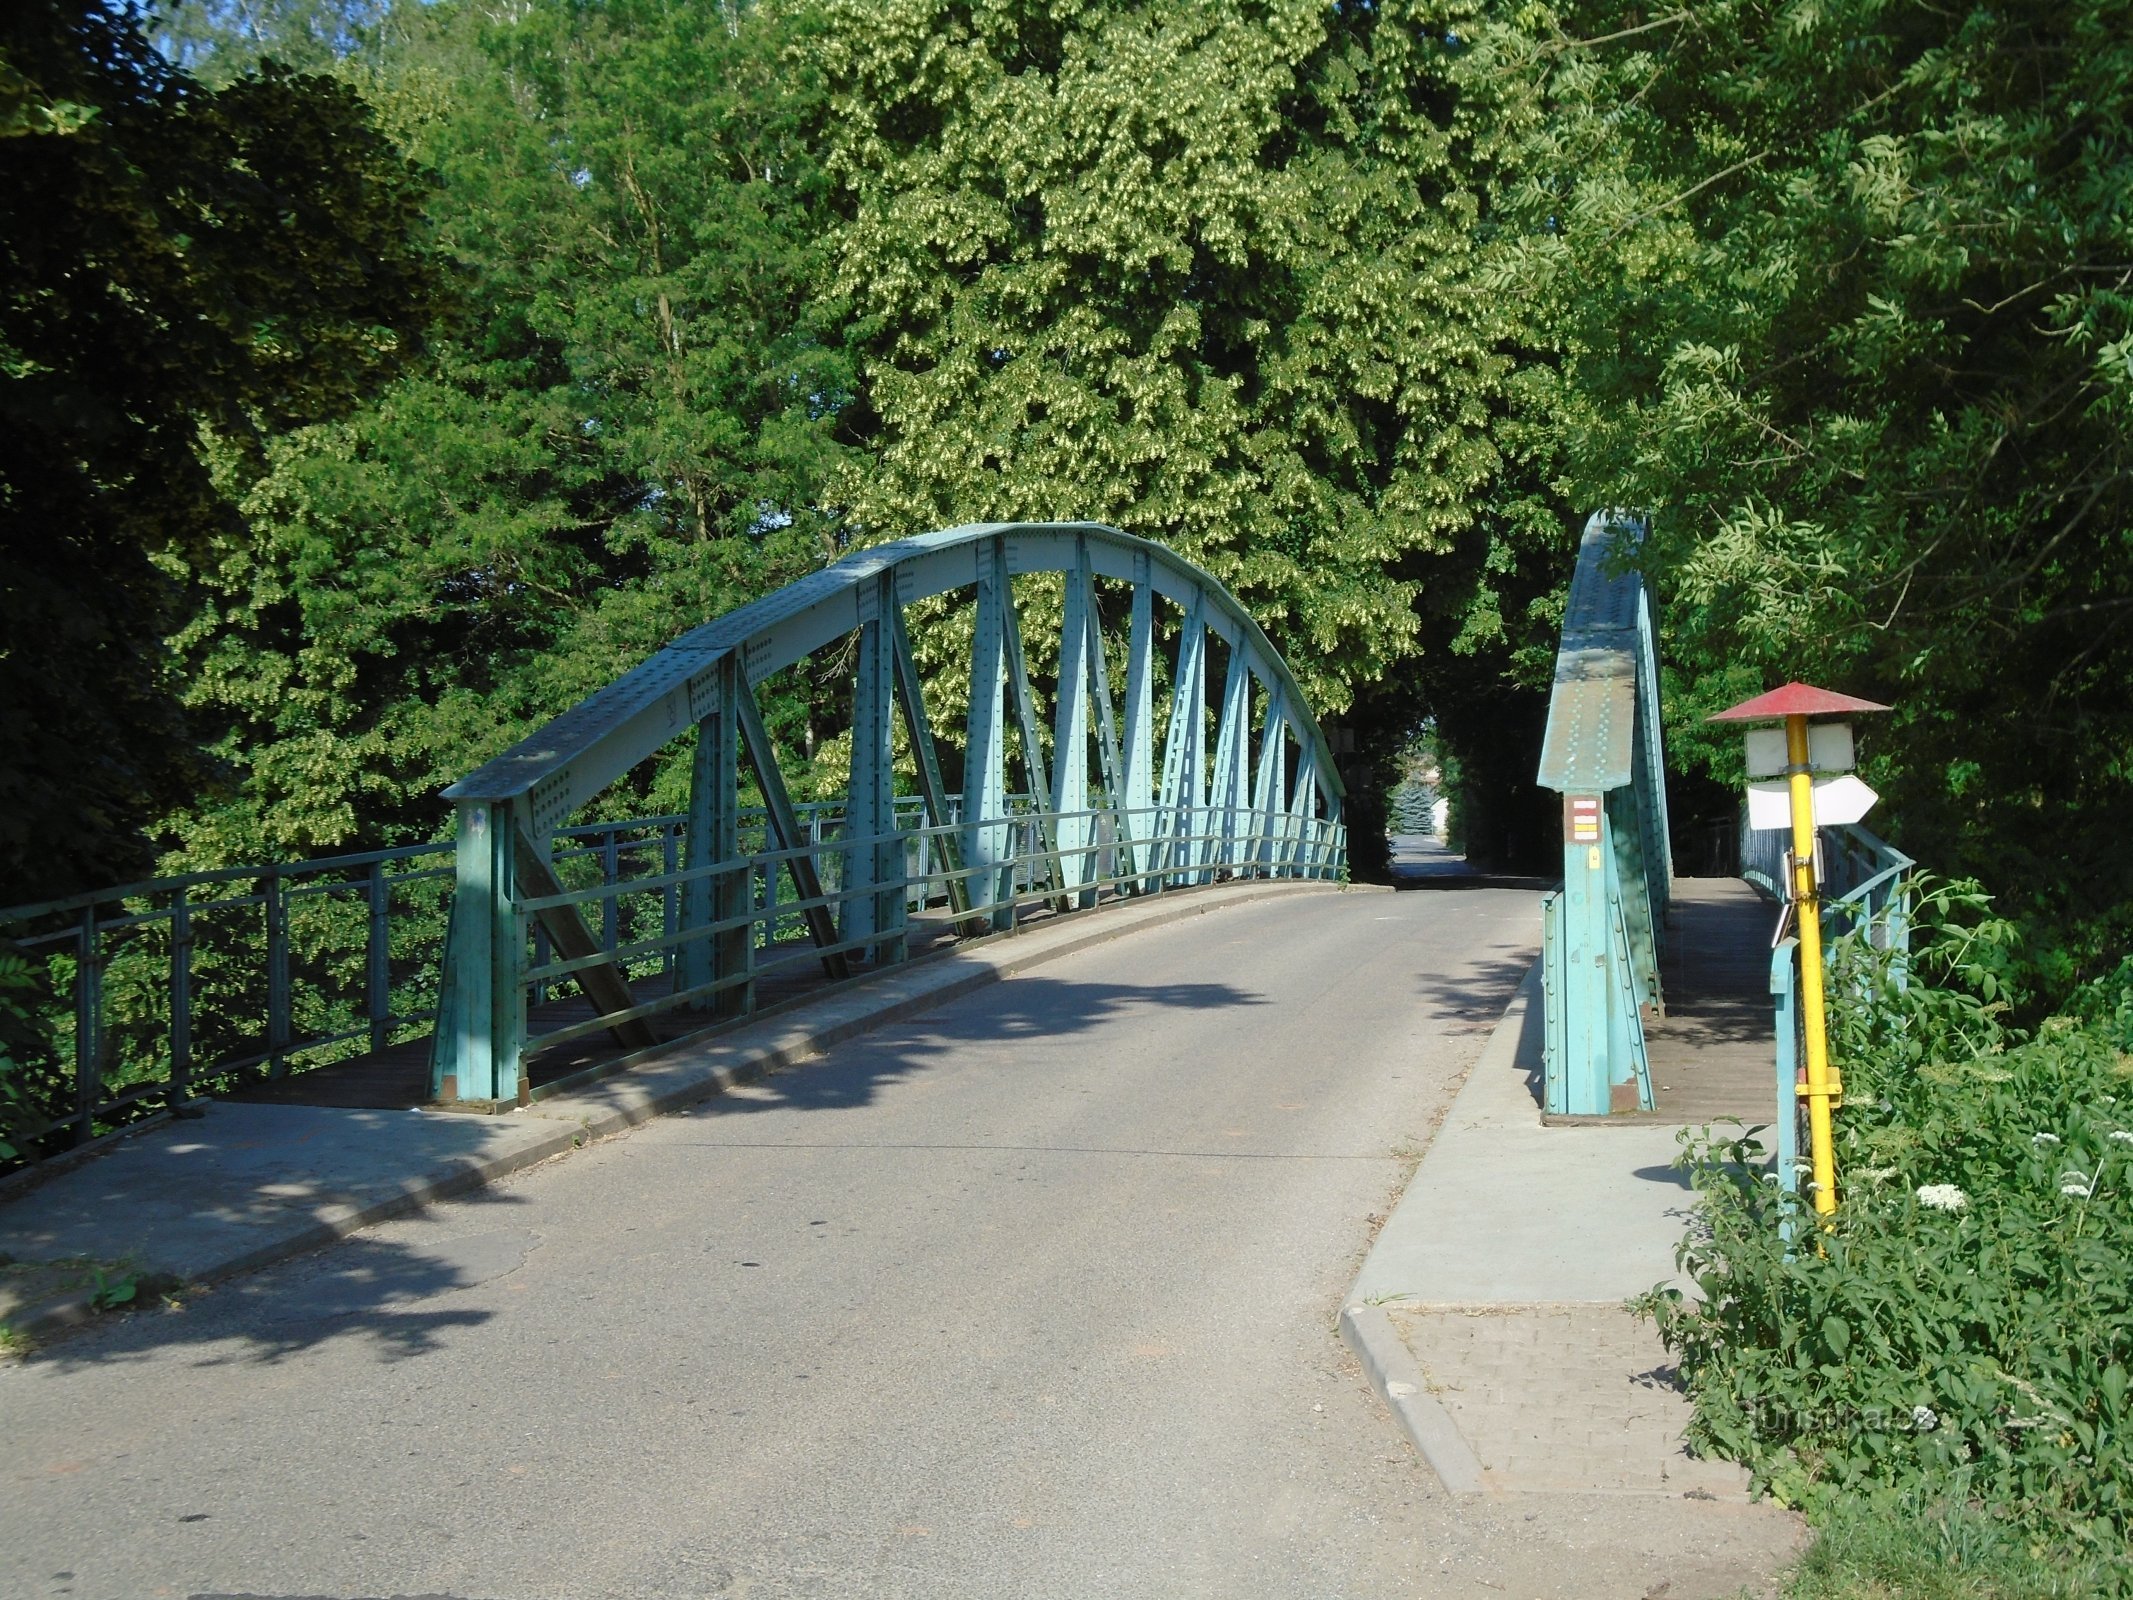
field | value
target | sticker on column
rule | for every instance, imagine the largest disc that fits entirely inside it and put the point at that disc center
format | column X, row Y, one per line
column 1584, row 819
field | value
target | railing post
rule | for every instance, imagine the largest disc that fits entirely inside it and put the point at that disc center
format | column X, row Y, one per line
column 88, row 1024
column 670, row 896
column 181, row 995
column 610, row 904
column 277, row 975
column 377, row 965
column 1786, row 1124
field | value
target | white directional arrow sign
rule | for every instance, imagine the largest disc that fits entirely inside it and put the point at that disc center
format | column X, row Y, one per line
column 1837, row 801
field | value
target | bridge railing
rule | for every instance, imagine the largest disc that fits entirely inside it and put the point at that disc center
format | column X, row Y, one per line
column 157, row 992
column 1867, row 888
column 1865, row 879
column 1604, row 930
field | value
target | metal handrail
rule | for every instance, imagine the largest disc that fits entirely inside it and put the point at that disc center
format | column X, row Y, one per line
column 156, row 992
column 1278, row 846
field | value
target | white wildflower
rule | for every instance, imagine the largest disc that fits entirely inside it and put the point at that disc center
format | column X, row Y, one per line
column 2121, row 1136
column 2043, row 1138
column 2076, row 1184
column 1942, row 1197
column 1924, row 1419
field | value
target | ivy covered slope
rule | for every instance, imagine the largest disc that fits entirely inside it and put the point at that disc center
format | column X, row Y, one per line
column 1848, row 293
column 1964, row 1335
column 181, row 271
column 1200, row 271
column 623, row 429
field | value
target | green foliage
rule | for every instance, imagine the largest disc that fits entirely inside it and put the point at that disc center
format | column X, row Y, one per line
column 180, row 270
column 1912, row 1547
column 623, row 433
column 1203, row 272
column 1964, row 1330
column 27, row 1081
column 1842, row 289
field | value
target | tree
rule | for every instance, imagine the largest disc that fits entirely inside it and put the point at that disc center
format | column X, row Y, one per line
column 1203, row 271
column 180, row 271
column 1847, row 291
column 622, row 434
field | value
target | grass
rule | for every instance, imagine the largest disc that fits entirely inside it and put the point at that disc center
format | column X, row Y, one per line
column 1906, row 1551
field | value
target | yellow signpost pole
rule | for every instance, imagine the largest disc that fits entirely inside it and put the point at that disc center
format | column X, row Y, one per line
column 1822, row 1087
column 1797, row 706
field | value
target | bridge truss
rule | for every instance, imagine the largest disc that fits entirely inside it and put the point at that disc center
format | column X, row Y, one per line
column 1095, row 815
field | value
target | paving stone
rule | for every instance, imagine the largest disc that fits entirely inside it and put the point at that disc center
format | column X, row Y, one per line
column 1577, row 1398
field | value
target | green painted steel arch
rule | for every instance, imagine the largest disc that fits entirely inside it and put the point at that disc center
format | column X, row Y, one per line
column 560, row 768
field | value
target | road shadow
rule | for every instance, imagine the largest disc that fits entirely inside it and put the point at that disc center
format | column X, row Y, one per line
column 1472, row 1000
column 1032, row 1007
column 391, row 1296
column 397, row 1297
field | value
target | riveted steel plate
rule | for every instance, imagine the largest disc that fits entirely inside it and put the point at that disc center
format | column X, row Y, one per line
column 1592, row 712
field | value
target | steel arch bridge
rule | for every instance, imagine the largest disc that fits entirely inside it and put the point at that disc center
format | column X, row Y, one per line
column 1267, row 804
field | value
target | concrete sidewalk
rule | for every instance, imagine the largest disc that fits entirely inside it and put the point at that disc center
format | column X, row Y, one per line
column 201, row 1198
column 1489, row 1313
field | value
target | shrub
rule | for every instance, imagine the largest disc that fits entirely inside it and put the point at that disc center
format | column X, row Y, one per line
column 1964, row 1328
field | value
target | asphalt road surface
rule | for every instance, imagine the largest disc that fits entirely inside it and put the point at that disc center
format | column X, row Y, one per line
column 1030, row 1296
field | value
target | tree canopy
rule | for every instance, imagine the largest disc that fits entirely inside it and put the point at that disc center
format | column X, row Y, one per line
column 1845, row 292
column 183, row 273
column 607, row 315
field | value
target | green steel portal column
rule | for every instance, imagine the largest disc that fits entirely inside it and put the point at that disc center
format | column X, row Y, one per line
column 487, row 1006
column 870, row 797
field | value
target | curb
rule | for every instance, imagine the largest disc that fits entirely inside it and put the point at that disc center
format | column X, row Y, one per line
column 558, row 1127
column 39, row 1320
column 1368, row 1331
column 1393, row 1373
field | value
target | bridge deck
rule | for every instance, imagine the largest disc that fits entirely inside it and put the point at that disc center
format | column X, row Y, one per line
column 1711, row 1054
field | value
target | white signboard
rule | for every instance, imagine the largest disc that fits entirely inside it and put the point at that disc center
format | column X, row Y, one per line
column 1837, row 801
column 1829, row 749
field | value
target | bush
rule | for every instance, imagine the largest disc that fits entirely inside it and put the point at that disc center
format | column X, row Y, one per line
column 1965, row 1329
column 27, row 1079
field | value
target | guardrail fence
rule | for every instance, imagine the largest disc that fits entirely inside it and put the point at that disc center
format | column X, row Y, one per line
column 1866, row 887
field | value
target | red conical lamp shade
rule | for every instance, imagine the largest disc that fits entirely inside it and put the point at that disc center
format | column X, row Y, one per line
column 1795, row 700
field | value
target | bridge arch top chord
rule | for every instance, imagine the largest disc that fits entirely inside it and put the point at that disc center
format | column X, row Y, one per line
column 560, row 768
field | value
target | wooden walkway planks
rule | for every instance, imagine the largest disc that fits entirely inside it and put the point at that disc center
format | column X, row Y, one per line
column 1712, row 1053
